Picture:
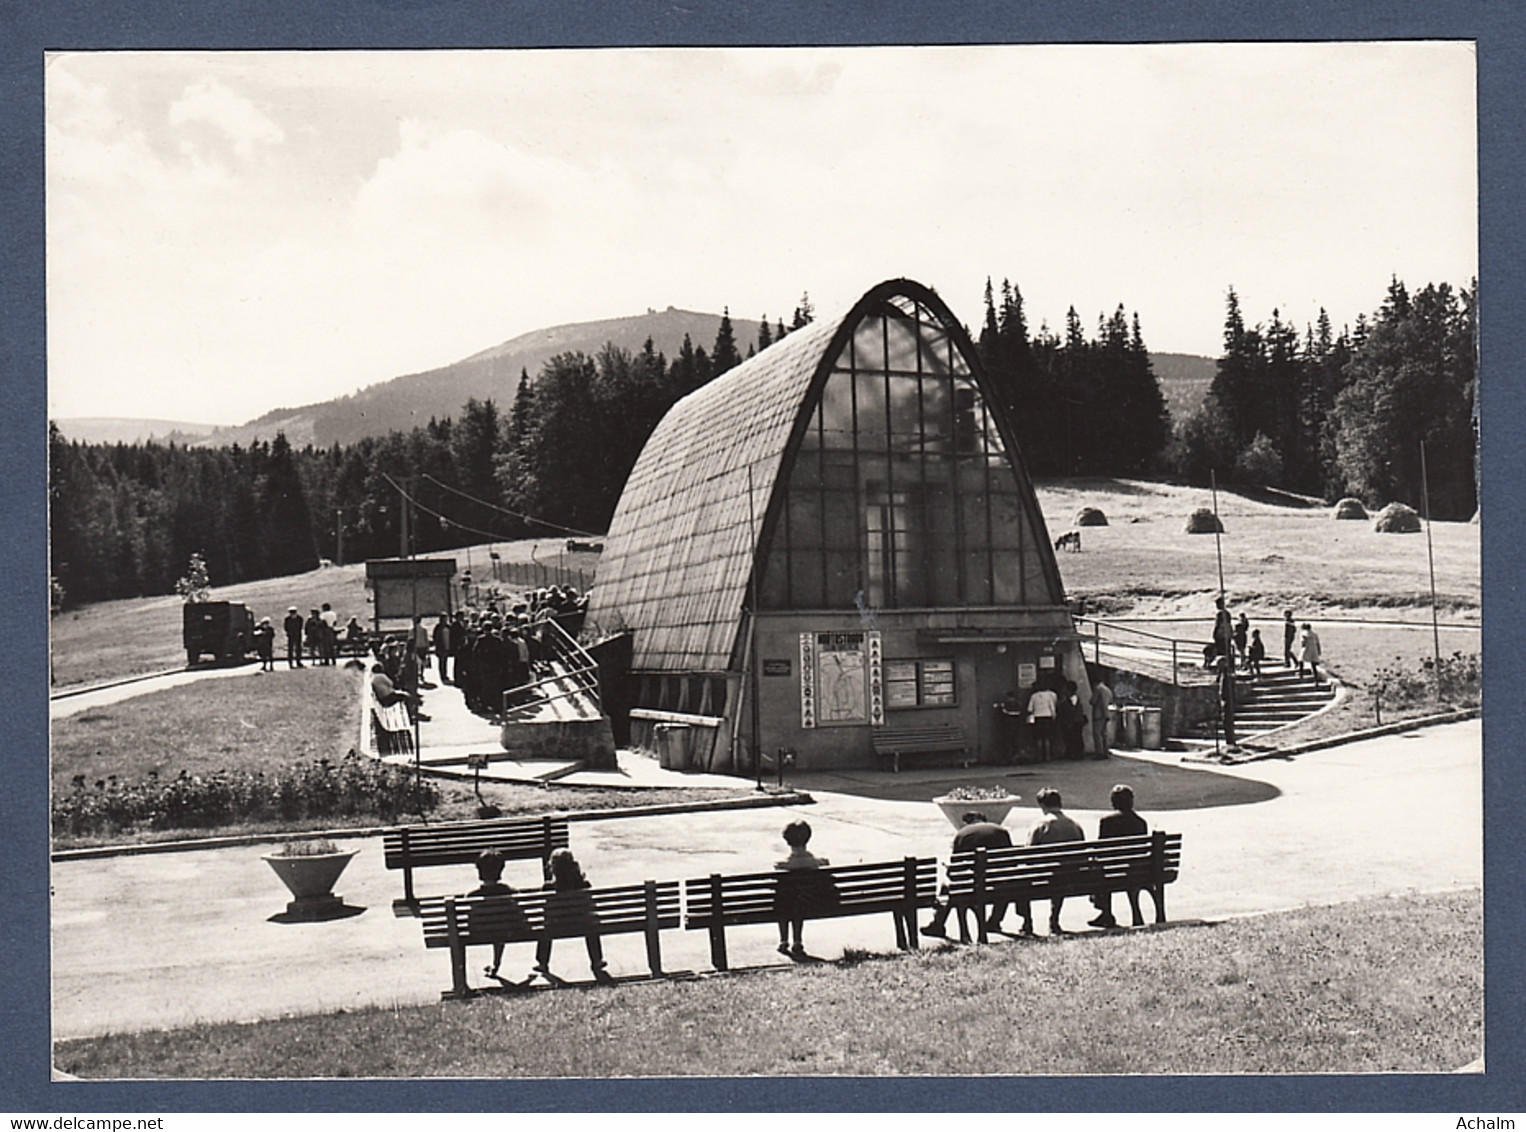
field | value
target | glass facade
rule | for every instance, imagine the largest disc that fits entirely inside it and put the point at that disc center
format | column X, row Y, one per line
column 901, row 495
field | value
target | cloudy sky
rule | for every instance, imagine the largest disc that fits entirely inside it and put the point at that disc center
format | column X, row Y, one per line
column 232, row 232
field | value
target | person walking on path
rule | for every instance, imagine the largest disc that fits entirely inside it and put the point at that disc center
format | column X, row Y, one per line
column 1309, row 652
column 265, row 644
column 1289, row 636
column 293, row 627
column 1255, row 655
column 1054, row 828
column 442, row 640
column 1242, row 634
column 975, row 833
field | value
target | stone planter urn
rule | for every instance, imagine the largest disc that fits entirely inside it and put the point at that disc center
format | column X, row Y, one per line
column 995, row 809
column 310, row 876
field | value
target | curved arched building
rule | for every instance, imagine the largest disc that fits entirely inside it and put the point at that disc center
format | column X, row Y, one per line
column 850, row 509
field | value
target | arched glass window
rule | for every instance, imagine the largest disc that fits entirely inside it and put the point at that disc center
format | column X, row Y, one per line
column 901, row 495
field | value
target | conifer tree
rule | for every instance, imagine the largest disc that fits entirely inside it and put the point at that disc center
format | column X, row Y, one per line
column 724, row 356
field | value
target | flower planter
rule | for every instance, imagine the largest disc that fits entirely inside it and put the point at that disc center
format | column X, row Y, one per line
column 311, row 881
column 995, row 809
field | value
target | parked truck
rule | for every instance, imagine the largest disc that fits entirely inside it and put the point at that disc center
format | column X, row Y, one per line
column 223, row 629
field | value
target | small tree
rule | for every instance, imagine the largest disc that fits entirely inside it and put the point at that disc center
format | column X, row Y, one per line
column 195, row 586
column 1260, row 463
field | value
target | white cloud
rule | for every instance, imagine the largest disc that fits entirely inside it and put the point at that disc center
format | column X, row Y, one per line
column 237, row 118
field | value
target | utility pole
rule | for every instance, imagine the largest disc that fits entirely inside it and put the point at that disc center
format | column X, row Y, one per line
column 1430, row 554
column 339, row 536
column 1213, row 486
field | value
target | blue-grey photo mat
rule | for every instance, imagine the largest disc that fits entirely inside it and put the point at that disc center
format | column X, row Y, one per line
column 28, row 30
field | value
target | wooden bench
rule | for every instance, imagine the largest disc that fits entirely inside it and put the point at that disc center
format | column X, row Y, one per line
column 459, row 922
column 412, row 847
column 717, row 902
column 1023, row 874
column 917, row 739
column 392, row 727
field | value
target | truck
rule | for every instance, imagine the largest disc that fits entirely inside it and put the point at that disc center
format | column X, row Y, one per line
column 222, row 629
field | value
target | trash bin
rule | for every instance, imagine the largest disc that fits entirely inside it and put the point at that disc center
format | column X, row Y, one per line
column 674, row 744
column 1114, row 725
column 1132, row 714
column 683, row 746
column 1151, row 737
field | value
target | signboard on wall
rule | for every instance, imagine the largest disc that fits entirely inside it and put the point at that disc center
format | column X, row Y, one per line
column 841, row 679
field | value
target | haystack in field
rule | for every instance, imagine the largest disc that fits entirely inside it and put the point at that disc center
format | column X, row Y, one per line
column 1204, row 522
column 1397, row 519
column 1349, row 508
column 1090, row 517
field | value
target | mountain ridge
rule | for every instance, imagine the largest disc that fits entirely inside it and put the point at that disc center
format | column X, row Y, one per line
column 410, row 400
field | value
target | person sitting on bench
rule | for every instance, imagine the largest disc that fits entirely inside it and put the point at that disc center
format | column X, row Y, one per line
column 1122, row 822
column 799, row 890
column 569, row 909
column 975, row 833
column 1054, row 828
column 387, row 693
column 503, row 908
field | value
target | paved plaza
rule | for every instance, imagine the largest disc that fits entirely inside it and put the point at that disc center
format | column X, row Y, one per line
column 166, row 939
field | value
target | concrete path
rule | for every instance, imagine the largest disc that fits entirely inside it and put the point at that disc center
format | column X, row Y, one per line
column 146, row 942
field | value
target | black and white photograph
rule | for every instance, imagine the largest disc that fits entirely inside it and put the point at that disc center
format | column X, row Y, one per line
column 778, row 563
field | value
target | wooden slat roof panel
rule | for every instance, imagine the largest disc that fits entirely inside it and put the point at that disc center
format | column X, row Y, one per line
column 677, row 561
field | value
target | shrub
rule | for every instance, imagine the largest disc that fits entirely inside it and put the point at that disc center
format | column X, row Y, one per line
column 352, row 788
column 1204, row 522
column 1458, row 681
column 1349, row 508
column 1260, row 463
column 1090, row 517
column 1397, row 519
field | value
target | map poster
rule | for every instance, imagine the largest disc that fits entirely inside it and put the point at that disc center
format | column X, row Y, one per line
column 841, row 679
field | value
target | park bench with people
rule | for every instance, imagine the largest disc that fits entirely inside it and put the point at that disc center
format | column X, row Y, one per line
column 392, row 727
column 1021, row 874
column 919, row 739
column 412, row 847
column 718, row 902
column 459, row 922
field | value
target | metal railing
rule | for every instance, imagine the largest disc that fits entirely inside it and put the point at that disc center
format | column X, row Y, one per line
column 578, row 677
column 1113, row 630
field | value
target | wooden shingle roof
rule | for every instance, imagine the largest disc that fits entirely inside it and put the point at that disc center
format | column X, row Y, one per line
column 679, row 555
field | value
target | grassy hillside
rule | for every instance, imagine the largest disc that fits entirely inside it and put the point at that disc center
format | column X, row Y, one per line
column 493, row 374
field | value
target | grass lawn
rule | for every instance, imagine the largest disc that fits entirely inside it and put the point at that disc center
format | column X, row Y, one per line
column 112, row 639
column 1381, row 985
column 270, row 721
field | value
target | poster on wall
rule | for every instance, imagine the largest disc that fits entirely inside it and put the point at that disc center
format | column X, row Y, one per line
column 841, row 679
column 807, row 680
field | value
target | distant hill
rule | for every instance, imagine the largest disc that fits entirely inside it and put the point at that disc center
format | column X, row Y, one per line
column 1184, row 379
column 492, row 374
column 411, row 400
column 130, row 430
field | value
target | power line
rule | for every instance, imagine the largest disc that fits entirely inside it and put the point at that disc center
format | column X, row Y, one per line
column 508, row 511
column 494, row 535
